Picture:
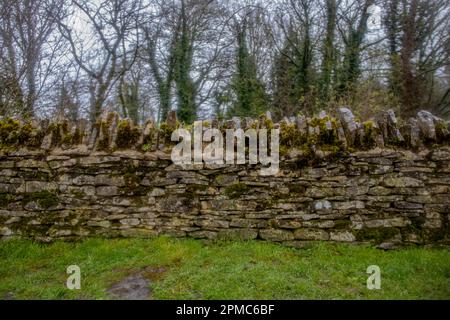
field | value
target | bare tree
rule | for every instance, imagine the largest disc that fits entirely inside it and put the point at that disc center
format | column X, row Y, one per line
column 29, row 51
column 419, row 43
column 112, row 23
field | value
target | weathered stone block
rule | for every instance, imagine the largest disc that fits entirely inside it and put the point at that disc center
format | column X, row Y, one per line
column 109, row 191
column 83, row 180
column 237, row 234
column 276, row 235
column 109, row 180
column 401, row 182
column 311, row 234
column 36, row 186
column 342, row 236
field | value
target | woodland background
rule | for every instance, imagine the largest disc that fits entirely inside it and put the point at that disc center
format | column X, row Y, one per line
column 208, row 58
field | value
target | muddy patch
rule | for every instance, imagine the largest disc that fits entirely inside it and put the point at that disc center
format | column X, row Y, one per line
column 136, row 286
column 8, row 296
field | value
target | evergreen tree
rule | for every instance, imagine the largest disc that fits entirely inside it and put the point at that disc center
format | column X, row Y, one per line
column 250, row 96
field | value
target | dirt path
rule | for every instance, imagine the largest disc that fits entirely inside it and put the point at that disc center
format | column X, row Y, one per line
column 136, row 286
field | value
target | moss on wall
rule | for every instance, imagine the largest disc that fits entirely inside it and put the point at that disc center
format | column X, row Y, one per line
column 44, row 199
column 236, row 190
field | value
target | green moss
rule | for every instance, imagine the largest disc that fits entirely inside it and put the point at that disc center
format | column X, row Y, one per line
column 426, row 234
column 73, row 138
column 368, row 126
column 326, row 140
column 166, row 131
column 79, row 194
column 195, row 188
column 6, row 199
column 269, row 124
column 369, row 131
column 264, row 205
column 437, row 234
column 289, row 135
column 296, row 188
column 67, row 139
column 13, row 133
column 133, row 183
column 131, row 180
column 236, row 190
column 9, row 131
column 317, row 122
column 378, row 235
column 283, row 150
column 104, row 132
column 59, row 130
column 441, row 130
column 146, row 147
column 44, row 199
column 327, row 136
column 35, row 175
column 254, row 125
column 135, row 191
column 342, row 224
column 25, row 134
column 127, row 134
column 149, row 141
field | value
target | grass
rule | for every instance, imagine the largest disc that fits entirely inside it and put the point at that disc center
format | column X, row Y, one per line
column 222, row 270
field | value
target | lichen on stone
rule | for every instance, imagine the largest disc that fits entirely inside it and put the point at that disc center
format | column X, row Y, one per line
column 44, row 199
column 377, row 235
column 235, row 190
column 127, row 134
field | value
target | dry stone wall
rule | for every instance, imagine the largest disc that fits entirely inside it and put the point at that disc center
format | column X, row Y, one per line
column 382, row 182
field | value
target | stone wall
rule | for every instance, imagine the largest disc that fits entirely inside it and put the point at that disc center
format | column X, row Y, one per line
column 391, row 189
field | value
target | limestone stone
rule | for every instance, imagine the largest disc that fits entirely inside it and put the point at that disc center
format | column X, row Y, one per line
column 441, row 155
column 426, row 124
column 237, row 234
column 389, row 194
column 342, row 236
column 392, row 222
column 138, row 233
column 36, row 186
column 276, row 235
column 349, row 124
column 203, row 234
column 311, row 234
column 393, row 126
column 4, row 231
column 82, row 180
column 102, row 224
column 414, row 133
column 157, row 192
column 109, row 180
column 348, row 205
column 322, row 205
column 108, row 191
column 399, row 182
column 130, row 222
column 302, row 124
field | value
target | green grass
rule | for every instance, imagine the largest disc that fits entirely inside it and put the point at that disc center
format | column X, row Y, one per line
column 222, row 270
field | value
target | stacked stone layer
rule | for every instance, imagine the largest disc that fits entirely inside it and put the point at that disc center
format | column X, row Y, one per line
column 323, row 132
column 383, row 196
column 381, row 181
